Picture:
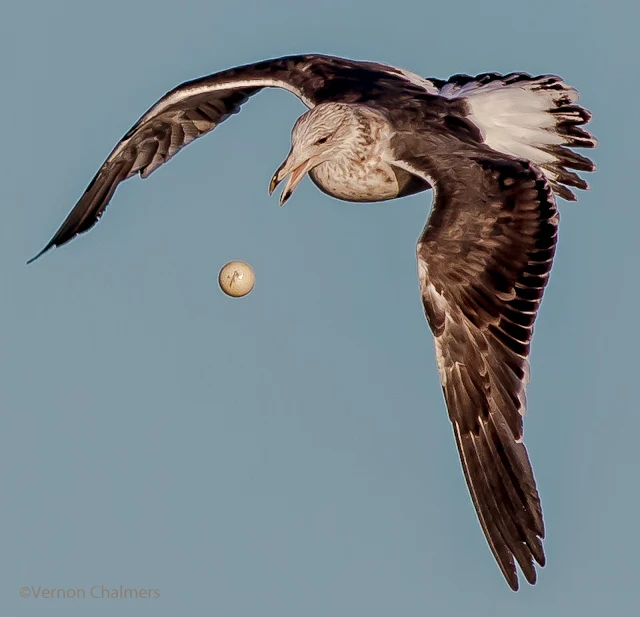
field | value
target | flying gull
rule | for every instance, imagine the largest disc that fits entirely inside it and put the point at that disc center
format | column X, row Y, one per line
column 495, row 149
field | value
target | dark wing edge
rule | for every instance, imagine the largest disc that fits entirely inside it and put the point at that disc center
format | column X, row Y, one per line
column 483, row 268
column 196, row 107
column 185, row 113
column 189, row 111
column 535, row 117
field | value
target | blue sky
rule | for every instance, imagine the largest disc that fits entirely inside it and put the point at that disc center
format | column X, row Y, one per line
column 289, row 453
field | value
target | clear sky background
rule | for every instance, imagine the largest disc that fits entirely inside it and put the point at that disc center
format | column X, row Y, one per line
column 289, row 454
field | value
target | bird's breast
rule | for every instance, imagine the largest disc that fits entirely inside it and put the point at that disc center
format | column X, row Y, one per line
column 369, row 180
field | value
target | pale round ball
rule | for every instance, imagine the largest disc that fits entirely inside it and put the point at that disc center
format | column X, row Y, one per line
column 236, row 279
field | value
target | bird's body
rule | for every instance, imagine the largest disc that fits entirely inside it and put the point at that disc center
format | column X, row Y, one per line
column 496, row 149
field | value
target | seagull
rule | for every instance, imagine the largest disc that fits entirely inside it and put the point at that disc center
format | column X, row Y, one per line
column 496, row 150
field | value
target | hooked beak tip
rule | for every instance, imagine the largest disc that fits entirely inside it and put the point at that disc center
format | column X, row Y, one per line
column 285, row 197
column 274, row 182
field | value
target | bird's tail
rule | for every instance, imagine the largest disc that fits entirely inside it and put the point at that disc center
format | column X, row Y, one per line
column 534, row 118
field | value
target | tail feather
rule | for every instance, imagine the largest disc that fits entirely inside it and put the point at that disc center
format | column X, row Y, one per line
column 535, row 118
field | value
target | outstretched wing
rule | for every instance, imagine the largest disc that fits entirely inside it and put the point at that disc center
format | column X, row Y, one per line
column 483, row 260
column 197, row 107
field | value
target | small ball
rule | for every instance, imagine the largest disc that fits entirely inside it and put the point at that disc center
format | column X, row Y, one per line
column 236, row 279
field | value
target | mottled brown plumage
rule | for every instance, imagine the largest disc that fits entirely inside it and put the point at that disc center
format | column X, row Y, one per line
column 495, row 149
column 484, row 259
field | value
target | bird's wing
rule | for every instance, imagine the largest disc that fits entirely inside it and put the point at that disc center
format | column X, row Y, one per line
column 484, row 259
column 535, row 117
column 197, row 107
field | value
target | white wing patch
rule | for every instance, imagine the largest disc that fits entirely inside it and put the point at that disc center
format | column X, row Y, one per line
column 527, row 117
column 517, row 122
column 514, row 118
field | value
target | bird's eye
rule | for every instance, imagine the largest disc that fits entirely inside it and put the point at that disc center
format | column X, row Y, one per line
column 322, row 140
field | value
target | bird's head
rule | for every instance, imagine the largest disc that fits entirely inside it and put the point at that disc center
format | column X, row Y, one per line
column 320, row 135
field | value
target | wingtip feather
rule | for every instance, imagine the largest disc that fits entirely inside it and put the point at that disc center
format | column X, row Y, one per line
column 41, row 253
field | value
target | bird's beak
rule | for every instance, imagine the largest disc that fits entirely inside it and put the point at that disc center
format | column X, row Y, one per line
column 295, row 173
